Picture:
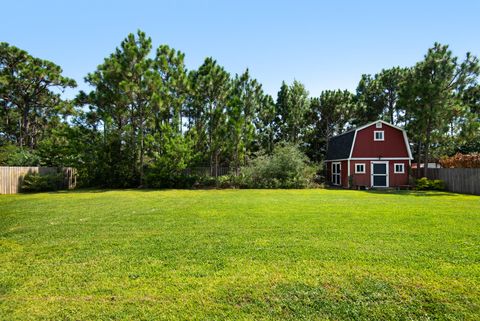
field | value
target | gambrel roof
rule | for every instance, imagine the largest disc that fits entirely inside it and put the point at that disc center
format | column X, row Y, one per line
column 340, row 147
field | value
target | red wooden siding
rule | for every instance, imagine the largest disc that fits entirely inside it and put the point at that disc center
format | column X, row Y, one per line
column 393, row 144
column 398, row 179
column 360, row 179
column 393, row 178
column 344, row 172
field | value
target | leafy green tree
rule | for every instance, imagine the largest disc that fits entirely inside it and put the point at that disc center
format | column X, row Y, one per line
column 292, row 105
column 378, row 96
column 265, row 124
column 173, row 92
column 170, row 159
column 234, row 130
column 390, row 82
column 211, row 87
column 430, row 93
column 469, row 137
column 126, row 91
column 12, row 155
column 246, row 99
column 30, row 99
column 330, row 114
column 315, row 138
column 370, row 106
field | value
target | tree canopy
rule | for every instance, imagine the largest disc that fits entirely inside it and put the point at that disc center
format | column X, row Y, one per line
column 148, row 119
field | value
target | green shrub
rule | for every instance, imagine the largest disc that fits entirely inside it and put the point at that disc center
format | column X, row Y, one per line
column 42, row 183
column 159, row 179
column 422, row 184
column 206, row 181
column 428, row 184
column 227, row 181
column 169, row 161
column 11, row 155
column 438, row 185
column 287, row 167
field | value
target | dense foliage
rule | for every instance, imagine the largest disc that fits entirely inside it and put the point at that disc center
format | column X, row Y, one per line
column 425, row 184
column 147, row 118
column 286, row 167
column 11, row 155
column 36, row 182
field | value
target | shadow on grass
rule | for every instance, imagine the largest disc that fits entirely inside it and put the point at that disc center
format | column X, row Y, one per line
column 84, row 190
column 392, row 191
column 145, row 190
column 105, row 190
column 411, row 193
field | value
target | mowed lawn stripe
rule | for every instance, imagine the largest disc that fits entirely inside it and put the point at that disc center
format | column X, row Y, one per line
column 240, row 254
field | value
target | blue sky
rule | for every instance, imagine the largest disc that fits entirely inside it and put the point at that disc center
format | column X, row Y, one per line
column 325, row 45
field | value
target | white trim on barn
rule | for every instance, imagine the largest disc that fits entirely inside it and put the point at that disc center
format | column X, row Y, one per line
column 360, row 172
column 353, row 144
column 405, row 138
column 367, row 158
column 395, row 168
column 380, row 138
column 379, row 158
column 379, row 121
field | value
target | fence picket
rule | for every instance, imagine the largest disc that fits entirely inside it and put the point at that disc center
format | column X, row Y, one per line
column 458, row 180
column 11, row 177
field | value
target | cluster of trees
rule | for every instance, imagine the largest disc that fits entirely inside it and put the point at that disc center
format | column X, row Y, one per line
column 146, row 113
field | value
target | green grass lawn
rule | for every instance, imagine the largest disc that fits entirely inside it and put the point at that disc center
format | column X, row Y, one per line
column 239, row 254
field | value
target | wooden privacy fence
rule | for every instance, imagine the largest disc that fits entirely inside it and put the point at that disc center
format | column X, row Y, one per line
column 458, row 180
column 11, row 178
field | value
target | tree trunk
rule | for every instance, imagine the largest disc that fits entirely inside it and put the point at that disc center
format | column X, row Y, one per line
column 211, row 159
column 133, row 145
column 390, row 107
column 236, row 159
column 216, row 163
column 427, row 147
column 142, row 151
column 419, row 155
column 24, row 128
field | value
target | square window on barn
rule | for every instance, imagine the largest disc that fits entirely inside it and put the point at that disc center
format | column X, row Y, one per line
column 360, row 168
column 378, row 135
column 399, row 168
column 378, row 125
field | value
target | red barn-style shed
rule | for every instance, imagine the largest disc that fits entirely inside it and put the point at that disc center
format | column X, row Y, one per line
column 375, row 155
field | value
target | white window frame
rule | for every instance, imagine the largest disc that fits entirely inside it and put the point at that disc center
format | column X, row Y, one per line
column 334, row 173
column 378, row 125
column 360, row 172
column 395, row 168
column 375, row 135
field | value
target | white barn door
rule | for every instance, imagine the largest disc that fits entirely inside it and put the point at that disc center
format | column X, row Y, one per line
column 336, row 173
column 379, row 170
